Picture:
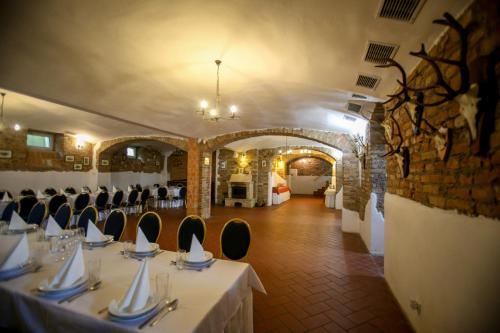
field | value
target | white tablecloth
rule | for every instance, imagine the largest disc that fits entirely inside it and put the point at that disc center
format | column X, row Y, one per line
column 330, row 198
column 215, row 300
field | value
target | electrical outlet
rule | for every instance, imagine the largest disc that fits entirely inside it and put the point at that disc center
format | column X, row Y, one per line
column 414, row 305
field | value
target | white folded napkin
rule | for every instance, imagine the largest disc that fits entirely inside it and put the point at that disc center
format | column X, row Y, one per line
column 6, row 197
column 129, row 188
column 137, row 295
column 114, row 189
column 40, row 195
column 53, row 228
column 17, row 222
column 94, row 234
column 141, row 242
column 16, row 255
column 71, row 271
column 196, row 252
column 61, row 191
column 83, row 190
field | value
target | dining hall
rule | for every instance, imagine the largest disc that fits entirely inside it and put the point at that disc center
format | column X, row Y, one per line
column 249, row 166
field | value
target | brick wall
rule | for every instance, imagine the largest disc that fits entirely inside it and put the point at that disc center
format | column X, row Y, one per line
column 177, row 165
column 148, row 161
column 351, row 185
column 465, row 182
column 25, row 158
column 311, row 166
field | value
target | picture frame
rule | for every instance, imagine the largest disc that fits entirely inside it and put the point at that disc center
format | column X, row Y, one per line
column 5, row 154
column 77, row 166
column 264, row 163
column 69, row 158
column 86, row 160
column 223, row 164
column 157, row 163
column 104, row 162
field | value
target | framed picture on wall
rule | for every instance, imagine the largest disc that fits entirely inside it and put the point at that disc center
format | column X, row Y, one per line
column 86, row 160
column 223, row 164
column 77, row 166
column 264, row 163
column 69, row 158
column 5, row 153
column 157, row 163
column 104, row 162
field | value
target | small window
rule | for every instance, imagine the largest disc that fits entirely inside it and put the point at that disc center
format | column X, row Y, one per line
column 131, row 152
column 40, row 140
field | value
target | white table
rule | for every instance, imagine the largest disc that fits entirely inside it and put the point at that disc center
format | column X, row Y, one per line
column 215, row 300
column 330, row 198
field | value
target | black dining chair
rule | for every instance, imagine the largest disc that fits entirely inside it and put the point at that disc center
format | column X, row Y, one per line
column 115, row 224
column 55, row 202
column 116, row 202
column 82, row 200
column 70, row 190
column 63, row 215
column 25, row 205
column 50, row 191
column 2, row 192
column 235, row 239
column 86, row 189
column 182, row 196
column 9, row 209
column 131, row 201
column 38, row 213
column 89, row 213
column 150, row 224
column 138, row 187
column 144, row 202
column 27, row 192
column 101, row 203
column 190, row 225
column 162, row 196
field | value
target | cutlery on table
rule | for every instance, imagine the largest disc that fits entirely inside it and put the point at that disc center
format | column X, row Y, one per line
column 171, row 308
column 166, row 306
column 92, row 287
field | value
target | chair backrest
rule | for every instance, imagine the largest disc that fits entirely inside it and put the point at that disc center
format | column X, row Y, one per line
column 118, row 198
column 70, row 190
column 27, row 192
column 63, row 215
column 103, row 188
column 182, row 192
column 162, row 192
column 55, row 202
column 102, row 199
column 144, row 195
column 2, row 192
column 235, row 239
column 89, row 213
column 150, row 223
column 25, row 205
column 37, row 213
column 132, row 197
column 190, row 225
column 138, row 187
column 50, row 191
column 82, row 200
column 9, row 209
column 115, row 224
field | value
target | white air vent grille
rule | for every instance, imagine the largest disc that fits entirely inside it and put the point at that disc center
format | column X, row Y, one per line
column 367, row 81
column 378, row 52
column 400, row 10
column 349, row 118
column 353, row 107
column 358, row 96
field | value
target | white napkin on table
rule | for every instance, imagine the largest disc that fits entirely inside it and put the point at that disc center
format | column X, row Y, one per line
column 94, row 234
column 40, row 195
column 53, row 228
column 6, row 197
column 16, row 255
column 141, row 242
column 17, row 222
column 137, row 295
column 61, row 191
column 196, row 252
column 129, row 188
column 71, row 271
column 114, row 189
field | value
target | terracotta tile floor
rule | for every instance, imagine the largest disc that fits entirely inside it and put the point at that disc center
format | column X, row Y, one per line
column 318, row 279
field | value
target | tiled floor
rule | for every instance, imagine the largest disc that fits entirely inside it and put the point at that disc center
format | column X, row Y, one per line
column 318, row 279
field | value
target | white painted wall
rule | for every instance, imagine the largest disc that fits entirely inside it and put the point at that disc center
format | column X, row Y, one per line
column 307, row 184
column 123, row 179
column 372, row 227
column 350, row 221
column 339, row 199
column 447, row 262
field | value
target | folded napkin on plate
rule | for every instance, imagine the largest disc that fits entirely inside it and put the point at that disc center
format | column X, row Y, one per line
column 141, row 242
column 94, row 234
column 137, row 295
column 14, row 252
column 53, row 228
column 61, row 191
column 6, row 197
column 114, row 189
column 196, row 252
column 40, row 195
column 129, row 188
column 71, row 271
column 17, row 222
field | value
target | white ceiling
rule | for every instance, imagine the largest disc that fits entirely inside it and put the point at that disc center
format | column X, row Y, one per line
column 286, row 63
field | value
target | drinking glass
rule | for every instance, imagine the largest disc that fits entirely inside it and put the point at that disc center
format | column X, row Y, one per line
column 179, row 260
column 3, row 226
column 38, row 251
column 162, row 281
column 94, row 270
column 127, row 246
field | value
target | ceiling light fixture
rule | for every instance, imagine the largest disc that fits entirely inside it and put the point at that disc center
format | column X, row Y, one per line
column 214, row 114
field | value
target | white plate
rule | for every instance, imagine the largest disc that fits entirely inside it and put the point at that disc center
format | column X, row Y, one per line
column 208, row 257
column 150, row 305
column 109, row 238
column 51, row 290
column 155, row 246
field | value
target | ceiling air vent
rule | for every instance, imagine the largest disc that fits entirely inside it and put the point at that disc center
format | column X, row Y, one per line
column 400, row 10
column 367, row 81
column 349, row 118
column 353, row 107
column 377, row 52
column 359, row 96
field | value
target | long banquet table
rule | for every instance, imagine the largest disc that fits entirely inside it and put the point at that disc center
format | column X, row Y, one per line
column 218, row 299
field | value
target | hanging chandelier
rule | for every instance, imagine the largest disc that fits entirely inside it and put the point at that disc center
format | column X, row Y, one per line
column 3, row 124
column 215, row 113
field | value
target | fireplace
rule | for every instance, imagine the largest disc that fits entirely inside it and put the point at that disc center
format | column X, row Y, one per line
column 240, row 191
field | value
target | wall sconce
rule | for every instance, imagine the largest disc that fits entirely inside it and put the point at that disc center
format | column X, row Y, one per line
column 206, row 160
column 80, row 141
column 242, row 160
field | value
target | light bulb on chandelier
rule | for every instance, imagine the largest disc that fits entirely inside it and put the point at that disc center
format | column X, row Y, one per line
column 215, row 113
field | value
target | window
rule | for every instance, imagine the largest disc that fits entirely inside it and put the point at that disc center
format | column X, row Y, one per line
column 131, row 152
column 40, row 140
